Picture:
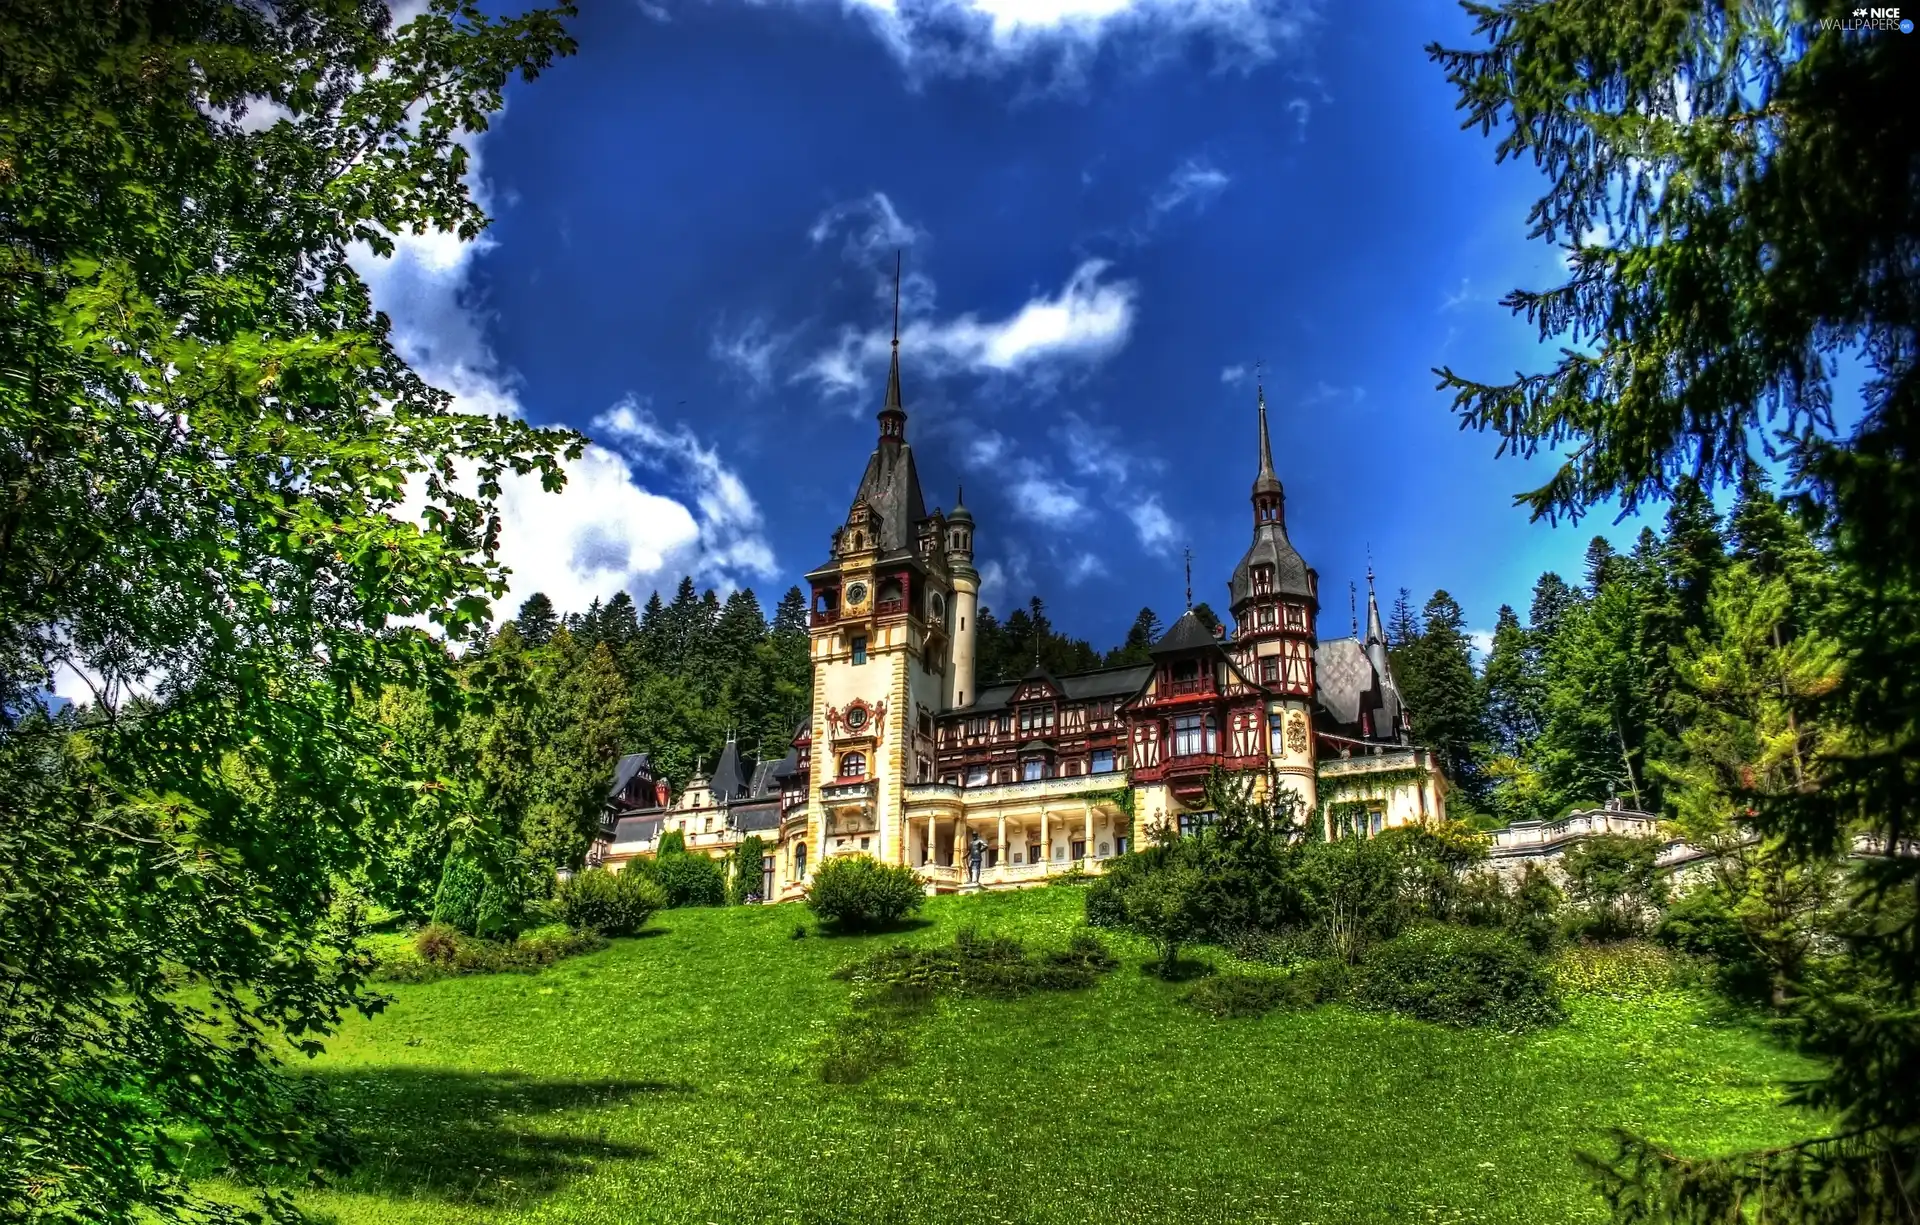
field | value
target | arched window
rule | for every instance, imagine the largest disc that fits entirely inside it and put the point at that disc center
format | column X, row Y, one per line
column 853, row 765
column 799, row 860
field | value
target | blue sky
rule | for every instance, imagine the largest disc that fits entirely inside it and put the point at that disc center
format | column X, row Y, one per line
column 1110, row 210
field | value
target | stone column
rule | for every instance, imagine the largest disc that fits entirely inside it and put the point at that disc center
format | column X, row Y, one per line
column 1000, row 854
column 1046, row 839
column 1089, row 828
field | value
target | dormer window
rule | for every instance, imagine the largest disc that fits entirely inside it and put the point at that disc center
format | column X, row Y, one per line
column 1266, row 616
column 1262, row 579
column 1296, row 617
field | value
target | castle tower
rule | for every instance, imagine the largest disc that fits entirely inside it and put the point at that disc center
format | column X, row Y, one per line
column 880, row 647
column 966, row 601
column 1389, row 718
column 1274, row 599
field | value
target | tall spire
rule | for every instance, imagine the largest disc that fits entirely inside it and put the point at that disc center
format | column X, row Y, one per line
column 1376, row 632
column 893, row 418
column 1189, row 580
column 1269, row 499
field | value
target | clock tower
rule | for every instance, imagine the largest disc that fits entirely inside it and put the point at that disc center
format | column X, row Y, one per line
column 881, row 647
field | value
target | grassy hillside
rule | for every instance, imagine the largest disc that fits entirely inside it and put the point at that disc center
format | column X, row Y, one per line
column 675, row 1078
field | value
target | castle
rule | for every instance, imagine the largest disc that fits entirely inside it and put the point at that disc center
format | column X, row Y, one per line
column 907, row 759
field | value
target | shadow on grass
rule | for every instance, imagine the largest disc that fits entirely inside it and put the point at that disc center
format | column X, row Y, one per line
column 474, row 1137
column 899, row 928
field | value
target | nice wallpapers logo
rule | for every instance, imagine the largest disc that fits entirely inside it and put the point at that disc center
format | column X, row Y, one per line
column 1870, row 19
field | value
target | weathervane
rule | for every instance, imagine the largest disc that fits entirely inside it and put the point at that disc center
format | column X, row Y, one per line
column 1189, row 580
column 1353, row 606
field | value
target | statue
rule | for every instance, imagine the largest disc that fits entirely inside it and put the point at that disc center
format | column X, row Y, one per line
column 976, row 853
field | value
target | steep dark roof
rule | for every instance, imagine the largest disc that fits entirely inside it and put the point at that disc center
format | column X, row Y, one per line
column 1272, row 548
column 751, row 818
column 625, row 769
column 891, row 486
column 1266, row 481
column 727, row 782
column 1189, row 633
column 1343, row 678
column 1075, row 687
column 637, row 829
column 1107, row 682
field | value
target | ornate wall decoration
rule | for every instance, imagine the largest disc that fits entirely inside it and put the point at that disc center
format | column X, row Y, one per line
column 1297, row 734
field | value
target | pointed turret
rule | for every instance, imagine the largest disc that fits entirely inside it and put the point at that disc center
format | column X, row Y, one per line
column 1389, row 719
column 893, row 417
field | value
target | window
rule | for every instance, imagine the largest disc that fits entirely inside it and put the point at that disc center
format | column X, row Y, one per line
column 1120, row 845
column 1005, row 724
column 799, row 860
column 1194, row 734
column 1033, row 852
column 976, row 776
column 1266, row 615
column 1101, row 762
column 859, row 648
column 1078, row 850
column 1296, row 617
column 1193, row 822
column 853, row 765
column 1072, row 770
column 706, row 826
column 1270, row 669
column 1187, row 670
column 1033, row 768
column 1036, row 719
column 926, row 726
column 926, row 769
column 864, row 843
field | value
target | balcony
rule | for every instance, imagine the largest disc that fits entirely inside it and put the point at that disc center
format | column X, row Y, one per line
column 1063, row 787
column 847, row 791
column 887, row 608
column 825, row 616
column 1181, row 689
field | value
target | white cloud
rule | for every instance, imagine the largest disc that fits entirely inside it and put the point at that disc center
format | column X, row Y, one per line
column 1088, row 320
column 1301, row 110
column 750, row 352
column 1152, row 524
column 1481, row 641
column 993, row 37
column 1029, row 482
column 1233, row 375
column 607, row 530
column 1084, row 567
column 872, row 225
column 1196, row 181
column 1324, row 392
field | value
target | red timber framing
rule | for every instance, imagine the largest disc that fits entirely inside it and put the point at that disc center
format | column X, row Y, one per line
column 1198, row 713
column 1035, row 732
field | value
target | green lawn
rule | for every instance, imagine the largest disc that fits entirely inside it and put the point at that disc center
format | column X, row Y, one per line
column 675, row 1078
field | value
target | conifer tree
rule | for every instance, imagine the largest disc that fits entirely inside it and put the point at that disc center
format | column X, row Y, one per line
column 1753, row 165
column 537, row 620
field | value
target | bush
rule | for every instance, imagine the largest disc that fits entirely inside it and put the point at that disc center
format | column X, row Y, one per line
column 1633, row 968
column 691, row 880
column 1460, row 976
column 610, row 903
column 745, row 879
column 855, row 893
column 457, row 903
column 992, row 966
column 673, row 842
column 1615, row 881
column 1252, row 995
column 439, row 951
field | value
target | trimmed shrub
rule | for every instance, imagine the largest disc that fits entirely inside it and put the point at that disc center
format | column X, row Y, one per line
column 745, row 880
column 610, row 903
column 1626, row 970
column 1252, row 995
column 457, row 903
column 439, row 951
column 691, row 880
column 854, row 893
column 1460, row 976
column 673, row 842
column 992, row 966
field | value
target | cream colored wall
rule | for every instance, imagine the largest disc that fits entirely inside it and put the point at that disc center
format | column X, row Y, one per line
column 963, row 620
column 1296, row 769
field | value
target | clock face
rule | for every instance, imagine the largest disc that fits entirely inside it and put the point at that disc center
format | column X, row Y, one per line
column 856, row 593
column 857, row 717
column 937, row 606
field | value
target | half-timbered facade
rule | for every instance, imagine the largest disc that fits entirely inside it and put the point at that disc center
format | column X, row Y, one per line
column 904, row 759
